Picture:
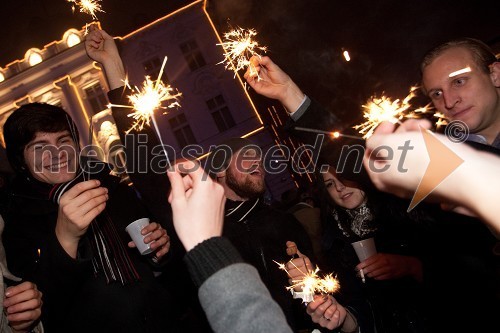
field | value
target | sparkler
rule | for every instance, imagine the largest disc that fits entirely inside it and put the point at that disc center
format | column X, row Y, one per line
column 311, row 283
column 88, row 7
column 382, row 109
column 146, row 100
column 239, row 47
column 333, row 135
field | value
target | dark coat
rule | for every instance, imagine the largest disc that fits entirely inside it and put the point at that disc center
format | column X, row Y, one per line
column 74, row 299
column 261, row 239
column 461, row 268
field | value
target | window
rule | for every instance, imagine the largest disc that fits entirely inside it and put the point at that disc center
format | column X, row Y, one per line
column 152, row 68
column 182, row 130
column 192, row 54
column 96, row 97
column 220, row 113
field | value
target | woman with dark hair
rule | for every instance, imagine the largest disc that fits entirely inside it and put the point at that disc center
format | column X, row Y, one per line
column 65, row 230
column 390, row 280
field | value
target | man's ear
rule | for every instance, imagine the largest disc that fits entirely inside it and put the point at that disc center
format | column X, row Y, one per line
column 495, row 73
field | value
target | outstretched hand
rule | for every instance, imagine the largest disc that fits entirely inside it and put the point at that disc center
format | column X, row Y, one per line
column 197, row 204
column 101, row 47
column 267, row 79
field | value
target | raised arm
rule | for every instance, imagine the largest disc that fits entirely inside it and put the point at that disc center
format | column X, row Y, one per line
column 230, row 291
column 267, row 79
column 101, row 47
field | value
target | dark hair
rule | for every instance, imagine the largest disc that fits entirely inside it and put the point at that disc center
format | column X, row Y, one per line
column 219, row 158
column 482, row 54
column 23, row 124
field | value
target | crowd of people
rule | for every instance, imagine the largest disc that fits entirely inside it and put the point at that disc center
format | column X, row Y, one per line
column 70, row 266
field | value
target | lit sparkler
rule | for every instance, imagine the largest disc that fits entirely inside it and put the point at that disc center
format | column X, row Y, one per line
column 333, row 135
column 382, row 109
column 311, row 283
column 239, row 47
column 441, row 119
column 152, row 96
column 90, row 7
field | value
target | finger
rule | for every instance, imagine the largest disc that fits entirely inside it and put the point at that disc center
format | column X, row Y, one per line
column 80, row 188
column 22, row 316
column 131, row 244
column 14, row 303
column 152, row 227
column 14, row 290
column 318, row 300
column 91, row 215
column 93, row 26
column 93, row 44
column 291, row 248
column 188, row 182
column 187, row 166
column 267, row 62
column 85, row 208
column 414, row 125
column 95, row 37
column 163, row 250
column 177, row 191
column 105, row 35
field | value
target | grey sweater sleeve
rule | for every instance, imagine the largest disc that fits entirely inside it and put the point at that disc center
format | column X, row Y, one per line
column 231, row 293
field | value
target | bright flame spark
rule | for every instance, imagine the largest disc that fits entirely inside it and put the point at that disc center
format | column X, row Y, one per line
column 382, row 109
column 151, row 97
column 239, row 47
column 88, row 7
column 441, row 119
column 311, row 283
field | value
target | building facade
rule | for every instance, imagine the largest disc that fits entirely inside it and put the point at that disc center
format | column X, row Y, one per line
column 214, row 103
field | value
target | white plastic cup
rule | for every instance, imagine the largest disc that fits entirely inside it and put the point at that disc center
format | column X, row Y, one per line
column 365, row 248
column 134, row 230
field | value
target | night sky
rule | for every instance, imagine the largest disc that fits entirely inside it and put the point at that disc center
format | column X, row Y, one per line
column 385, row 38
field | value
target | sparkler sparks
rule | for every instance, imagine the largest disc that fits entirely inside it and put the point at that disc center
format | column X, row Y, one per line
column 311, row 283
column 382, row 109
column 239, row 47
column 150, row 97
column 88, row 7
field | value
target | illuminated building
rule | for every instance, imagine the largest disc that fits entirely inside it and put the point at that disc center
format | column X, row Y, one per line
column 214, row 104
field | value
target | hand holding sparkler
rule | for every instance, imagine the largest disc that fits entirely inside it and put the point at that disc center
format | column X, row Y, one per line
column 269, row 80
column 197, row 204
column 304, row 281
column 239, row 46
column 101, row 47
column 327, row 312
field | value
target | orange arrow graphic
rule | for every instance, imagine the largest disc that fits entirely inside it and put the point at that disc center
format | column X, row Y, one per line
column 442, row 162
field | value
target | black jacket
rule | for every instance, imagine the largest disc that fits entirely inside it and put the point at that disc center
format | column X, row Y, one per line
column 74, row 299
